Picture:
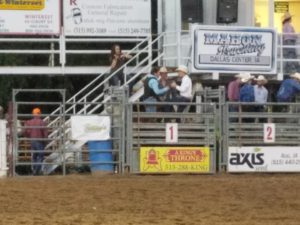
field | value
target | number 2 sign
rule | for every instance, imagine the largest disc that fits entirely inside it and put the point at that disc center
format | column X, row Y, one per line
column 171, row 132
column 269, row 132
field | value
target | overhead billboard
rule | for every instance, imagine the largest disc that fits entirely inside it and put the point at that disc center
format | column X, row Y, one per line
column 30, row 17
column 264, row 159
column 233, row 49
column 107, row 18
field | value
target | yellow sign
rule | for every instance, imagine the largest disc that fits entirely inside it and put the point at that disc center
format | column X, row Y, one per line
column 22, row 4
column 174, row 159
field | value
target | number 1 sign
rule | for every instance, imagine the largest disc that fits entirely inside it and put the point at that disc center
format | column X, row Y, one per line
column 171, row 132
column 269, row 132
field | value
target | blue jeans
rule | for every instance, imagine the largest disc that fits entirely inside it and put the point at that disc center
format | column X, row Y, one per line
column 233, row 108
column 150, row 108
column 177, row 99
column 37, row 157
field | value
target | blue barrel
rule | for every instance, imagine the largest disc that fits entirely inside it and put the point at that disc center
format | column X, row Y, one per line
column 105, row 157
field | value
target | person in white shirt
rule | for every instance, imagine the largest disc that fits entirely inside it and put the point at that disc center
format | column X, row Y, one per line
column 260, row 94
column 185, row 89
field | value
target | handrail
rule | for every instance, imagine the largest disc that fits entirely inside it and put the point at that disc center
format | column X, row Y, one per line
column 73, row 98
column 82, row 99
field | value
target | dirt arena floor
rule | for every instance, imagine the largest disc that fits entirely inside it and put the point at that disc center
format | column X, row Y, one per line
column 265, row 199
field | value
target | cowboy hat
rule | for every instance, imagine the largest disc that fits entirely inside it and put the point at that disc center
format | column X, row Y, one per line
column 261, row 78
column 246, row 77
column 182, row 68
column 163, row 70
column 242, row 75
column 286, row 16
column 295, row 75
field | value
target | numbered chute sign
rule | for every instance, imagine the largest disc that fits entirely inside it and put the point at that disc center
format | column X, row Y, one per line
column 171, row 132
column 269, row 132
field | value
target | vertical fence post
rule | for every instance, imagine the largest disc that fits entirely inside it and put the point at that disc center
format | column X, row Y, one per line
column 63, row 94
column 62, row 48
column 281, row 54
column 15, row 146
column 149, row 52
column 178, row 47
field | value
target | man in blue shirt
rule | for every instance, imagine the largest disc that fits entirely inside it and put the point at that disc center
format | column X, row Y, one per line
column 289, row 88
column 247, row 95
column 152, row 89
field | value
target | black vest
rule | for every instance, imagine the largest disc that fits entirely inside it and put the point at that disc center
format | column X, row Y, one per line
column 148, row 92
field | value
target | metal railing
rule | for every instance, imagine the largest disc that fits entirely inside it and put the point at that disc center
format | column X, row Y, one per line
column 57, row 54
column 149, row 129
column 244, row 125
column 68, row 155
column 95, row 90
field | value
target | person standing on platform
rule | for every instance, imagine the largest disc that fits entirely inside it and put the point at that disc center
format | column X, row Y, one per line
column 152, row 89
column 289, row 88
column 247, row 95
column 289, row 38
column 260, row 95
column 233, row 94
column 185, row 90
column 117, row 60
column 36, row 130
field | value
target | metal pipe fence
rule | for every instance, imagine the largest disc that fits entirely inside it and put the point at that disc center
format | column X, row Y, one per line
column 148, row 129
column 244, row 125
column 62, row 152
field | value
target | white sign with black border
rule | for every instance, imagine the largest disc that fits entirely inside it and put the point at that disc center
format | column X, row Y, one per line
column 264, row 159
column 233, row 49
column 107, row 18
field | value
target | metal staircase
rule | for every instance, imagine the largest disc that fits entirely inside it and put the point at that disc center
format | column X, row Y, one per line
column 84, row 102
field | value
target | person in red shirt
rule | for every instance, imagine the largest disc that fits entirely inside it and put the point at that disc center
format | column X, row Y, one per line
column 36, row 130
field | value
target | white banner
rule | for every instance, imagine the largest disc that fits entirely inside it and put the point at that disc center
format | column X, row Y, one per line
column 90, row 128
column 107, row 18
column 233, row 49
column 33, row 17
column 264, row 159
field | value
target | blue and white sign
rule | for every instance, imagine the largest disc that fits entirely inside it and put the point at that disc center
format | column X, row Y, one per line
column 233, row 49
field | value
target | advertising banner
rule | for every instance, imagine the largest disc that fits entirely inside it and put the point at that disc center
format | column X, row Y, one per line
column 107, row 18
column 233, row 49
column 264, row 159
column 88, row 128
column 30, row 17
column 174, row 160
